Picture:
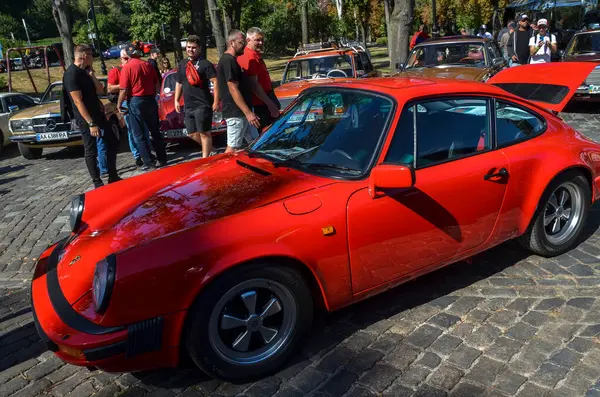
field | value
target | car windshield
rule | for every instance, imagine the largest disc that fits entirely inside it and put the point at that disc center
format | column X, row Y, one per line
column 319, row 67
column 447, row 54
column 586, row 43
column 52, row 94
column 333, row 131
column 169, row 83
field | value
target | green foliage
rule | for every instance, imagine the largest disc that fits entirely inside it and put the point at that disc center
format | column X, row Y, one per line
column 9, row 24
column 112, row 25
column 381, row 41
column 3, row 84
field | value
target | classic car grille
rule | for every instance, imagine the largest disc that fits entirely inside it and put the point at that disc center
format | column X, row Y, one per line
column 594, row 77
column 50, row 124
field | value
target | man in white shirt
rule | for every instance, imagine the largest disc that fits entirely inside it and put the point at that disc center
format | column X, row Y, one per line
column 484, row 33
column 542, row 44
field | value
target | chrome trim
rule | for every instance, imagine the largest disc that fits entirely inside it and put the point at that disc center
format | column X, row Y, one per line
column 33, row 137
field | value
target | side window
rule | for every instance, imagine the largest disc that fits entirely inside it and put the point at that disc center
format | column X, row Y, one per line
column 450, row 129
column 292, row 71
column 515, row 124
column 401, row 150
column 26, row 101
column 494, row 51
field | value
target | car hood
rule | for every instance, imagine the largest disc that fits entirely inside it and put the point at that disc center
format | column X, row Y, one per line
column 147, row 207
column 294, row 88
column 39, row 110
column 450, row 72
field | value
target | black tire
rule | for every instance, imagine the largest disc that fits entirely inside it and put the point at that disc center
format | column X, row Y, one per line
column 537, row 238
column 205, row 344
column 1, row 142
column 30, row 153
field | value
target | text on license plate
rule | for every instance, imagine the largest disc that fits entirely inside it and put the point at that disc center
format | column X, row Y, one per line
column 176, row 133
column 52, row 136
column 594, row 89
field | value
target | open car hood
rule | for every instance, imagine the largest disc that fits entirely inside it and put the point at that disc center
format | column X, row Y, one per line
column 550, row 85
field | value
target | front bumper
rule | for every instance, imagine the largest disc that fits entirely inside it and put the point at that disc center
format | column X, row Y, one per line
column 148, row 344
column 181, row 134
column 584, row 94
column 34, row 139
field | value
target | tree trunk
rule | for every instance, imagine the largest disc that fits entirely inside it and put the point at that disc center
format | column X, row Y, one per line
column 176, row 33
column 304, row 13
column 227, row 21
column 400, row 21
column 217, row 26
column 62, row 17
column 197, row 8
column 236, row 17
column 386, row 6
column 356, row 23
column 339, row 6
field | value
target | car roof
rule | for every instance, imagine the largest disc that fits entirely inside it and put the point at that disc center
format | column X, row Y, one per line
column 7, row 94
column 453, row 39
column 325, row 53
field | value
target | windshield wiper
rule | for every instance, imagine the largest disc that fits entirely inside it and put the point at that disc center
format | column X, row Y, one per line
column 332, row 166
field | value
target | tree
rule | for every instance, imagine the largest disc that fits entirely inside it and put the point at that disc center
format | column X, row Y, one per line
column 401, row 14
column 197, row 8
column 217, row 26
column 304, row 13
column 62, row 17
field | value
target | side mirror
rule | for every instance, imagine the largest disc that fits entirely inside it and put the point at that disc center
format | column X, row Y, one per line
column 384, row 177
column 13, row 108
column 36, row 100
column 399, row 66
column 561, row 54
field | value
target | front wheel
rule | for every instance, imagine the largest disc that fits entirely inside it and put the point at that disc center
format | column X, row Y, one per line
column 561, row 215
column 247, row 323
column 30, row 153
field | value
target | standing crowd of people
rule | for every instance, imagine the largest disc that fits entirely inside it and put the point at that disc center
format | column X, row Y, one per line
column 242, row 91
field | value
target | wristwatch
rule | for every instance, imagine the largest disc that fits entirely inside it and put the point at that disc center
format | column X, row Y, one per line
column 91, row 124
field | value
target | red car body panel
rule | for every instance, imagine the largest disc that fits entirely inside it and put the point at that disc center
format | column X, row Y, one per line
column 171, row 122
column 175, row 229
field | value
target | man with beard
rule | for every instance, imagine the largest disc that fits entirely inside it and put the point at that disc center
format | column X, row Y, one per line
column 518, row 43
column 236, row 94
column 193, row 78
column 80, row 82
column 264, row 101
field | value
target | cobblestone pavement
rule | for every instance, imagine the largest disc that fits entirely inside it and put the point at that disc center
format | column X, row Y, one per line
column 503, row 324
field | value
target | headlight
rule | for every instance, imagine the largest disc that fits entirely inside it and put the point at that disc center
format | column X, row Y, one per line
column 76, row 212
column 104, row 280
column 21, row 125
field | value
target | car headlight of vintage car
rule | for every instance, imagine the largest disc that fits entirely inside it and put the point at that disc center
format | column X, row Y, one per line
column 104, row 280
column 21, row 125
column 76, row 212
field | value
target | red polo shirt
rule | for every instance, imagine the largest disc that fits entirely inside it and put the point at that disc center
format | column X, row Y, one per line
column 252, row 63
column 139, row 77
column 113, row 76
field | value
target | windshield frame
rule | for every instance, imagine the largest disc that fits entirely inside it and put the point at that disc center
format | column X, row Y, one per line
column 331, row 173
column 285, row 71
column 571, row 44
column 486, row 56
column 104, row 82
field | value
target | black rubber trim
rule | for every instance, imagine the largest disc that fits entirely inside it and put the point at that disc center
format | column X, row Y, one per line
column 253, row 168
column 100, row 353
column 63, row 308
column 144, row 337
column 53, row 347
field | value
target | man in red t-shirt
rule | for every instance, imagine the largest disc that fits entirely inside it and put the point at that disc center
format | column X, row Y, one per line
column 138, row 82
column 264, row 101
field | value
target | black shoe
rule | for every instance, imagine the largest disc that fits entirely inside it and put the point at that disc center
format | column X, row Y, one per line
column 152, row 157
column 162, row 163
column 98, row 184
column 139, row 162
column 113, row 180
column 148, row 167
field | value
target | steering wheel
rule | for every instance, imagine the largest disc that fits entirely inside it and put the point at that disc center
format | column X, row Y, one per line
column 340, row 151
column 337, row 70
column 319, row 75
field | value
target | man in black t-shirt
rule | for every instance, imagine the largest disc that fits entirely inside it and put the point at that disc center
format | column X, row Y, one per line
column 153, row 60
column 80, row 82
column 236, row 94
column 517, row 46
column 199, row 103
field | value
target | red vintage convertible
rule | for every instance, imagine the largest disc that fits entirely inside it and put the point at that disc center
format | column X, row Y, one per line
column 172, row 126
column 357, row 187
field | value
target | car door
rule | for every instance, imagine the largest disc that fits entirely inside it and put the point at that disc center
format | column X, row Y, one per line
column 4, row 116
column 453, row 206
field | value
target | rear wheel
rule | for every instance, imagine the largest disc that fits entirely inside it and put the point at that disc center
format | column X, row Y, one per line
column 30, row 153
column 560, row 217
column 249, row 321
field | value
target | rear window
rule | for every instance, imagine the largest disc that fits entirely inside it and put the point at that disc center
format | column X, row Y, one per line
column 549, row 93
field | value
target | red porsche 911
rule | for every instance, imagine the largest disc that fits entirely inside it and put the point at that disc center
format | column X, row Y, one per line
column 358, row 187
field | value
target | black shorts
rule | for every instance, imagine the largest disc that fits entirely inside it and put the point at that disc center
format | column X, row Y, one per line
column 198, row 119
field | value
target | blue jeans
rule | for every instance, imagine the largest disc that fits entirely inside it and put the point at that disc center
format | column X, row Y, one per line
column 132, row 145
column 102, row 159
column 143, row 118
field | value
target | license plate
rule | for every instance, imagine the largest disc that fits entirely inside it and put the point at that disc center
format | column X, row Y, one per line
column 52, row 136
column 176, row 133
column 594, row 89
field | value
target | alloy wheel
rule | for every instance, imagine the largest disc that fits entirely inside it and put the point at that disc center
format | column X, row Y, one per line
column 252, row 321
column 563, row 213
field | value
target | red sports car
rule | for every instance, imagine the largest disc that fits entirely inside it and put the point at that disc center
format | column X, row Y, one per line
column 358, row 187
column 172, row 124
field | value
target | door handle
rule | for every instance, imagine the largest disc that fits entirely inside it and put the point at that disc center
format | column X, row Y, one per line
column 502, row 172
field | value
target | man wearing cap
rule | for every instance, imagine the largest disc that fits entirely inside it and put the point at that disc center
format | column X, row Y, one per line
column 542, row 44
column 153, row 60
column 138, row 84
column 484, row 33
column 518, row 43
